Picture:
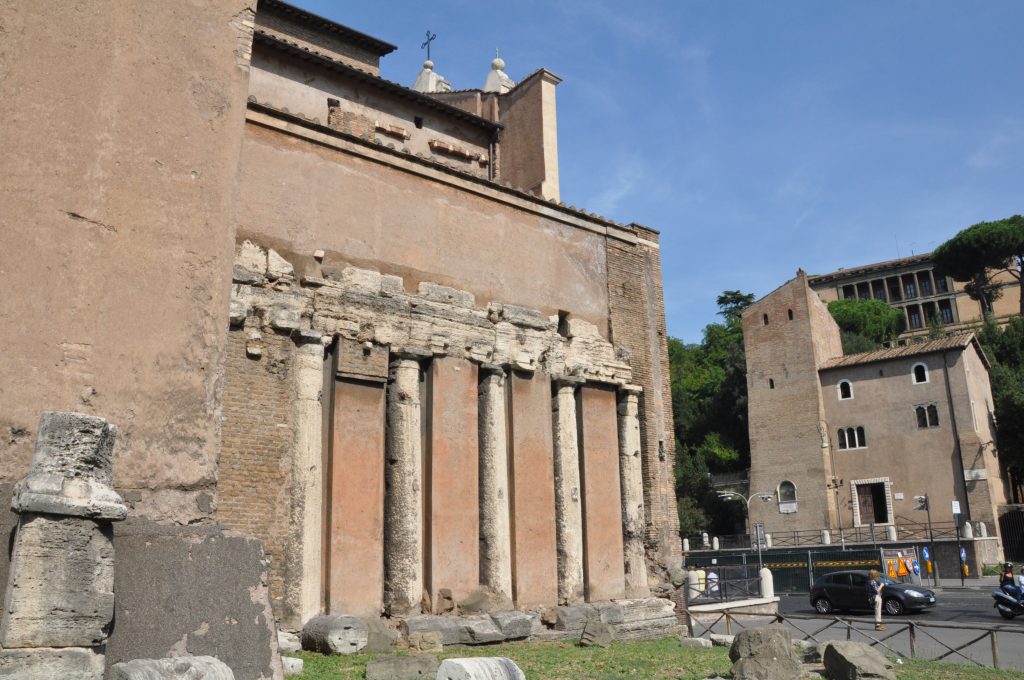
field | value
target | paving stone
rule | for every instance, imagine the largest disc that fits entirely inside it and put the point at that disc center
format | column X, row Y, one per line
column 698, row 643
column 404, row 667
column 292, row 665
column 41, row 663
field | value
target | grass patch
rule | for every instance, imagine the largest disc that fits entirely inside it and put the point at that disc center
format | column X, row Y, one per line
column 657, row 660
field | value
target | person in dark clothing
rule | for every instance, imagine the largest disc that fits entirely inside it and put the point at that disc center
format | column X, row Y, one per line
column 1008, row 583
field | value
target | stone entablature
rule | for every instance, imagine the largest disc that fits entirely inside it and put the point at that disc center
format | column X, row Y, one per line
column 370, row 307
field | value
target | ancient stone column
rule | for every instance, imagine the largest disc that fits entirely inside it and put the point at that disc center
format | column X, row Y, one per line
column 403, row 499
column 568, row 501
column 305, row 551
column 60, row 590
column 495, row 532
column 632, row 485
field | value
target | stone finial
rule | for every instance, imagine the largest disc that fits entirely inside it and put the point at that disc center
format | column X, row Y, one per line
column 430, row 81
column 72, row 469
column 497, row 80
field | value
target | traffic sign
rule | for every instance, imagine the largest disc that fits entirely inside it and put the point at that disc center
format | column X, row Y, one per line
column 925, row 554
column 917, row 568
column 963, row 555
column 956, row 507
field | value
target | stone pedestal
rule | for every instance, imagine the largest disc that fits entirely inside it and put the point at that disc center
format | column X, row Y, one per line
column 60, row 589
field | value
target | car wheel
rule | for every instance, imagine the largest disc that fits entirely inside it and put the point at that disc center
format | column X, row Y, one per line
column 1005, row 614
column 893, row 607
column 823, row 606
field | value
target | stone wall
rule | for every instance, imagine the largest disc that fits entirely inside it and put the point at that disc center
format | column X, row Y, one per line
column 637, row 319
column 120, row 172
column 254, row 485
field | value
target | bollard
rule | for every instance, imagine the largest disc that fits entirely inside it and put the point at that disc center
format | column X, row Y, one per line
column 686, row 545
column 982, row 530
column 704, row 540
column 767, row 582
column 692, row 585
column 826, row 538
column 968, row 531
column 767, row 540
column 714, row 543
column 890, row 533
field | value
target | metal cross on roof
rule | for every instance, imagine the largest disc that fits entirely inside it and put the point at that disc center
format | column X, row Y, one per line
column 426, row 43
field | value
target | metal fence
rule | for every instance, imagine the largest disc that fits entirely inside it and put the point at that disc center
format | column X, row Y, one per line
column 1011, row 525
column 727, row 583
column 793, row 570
column 907, row 531
column 905, row 639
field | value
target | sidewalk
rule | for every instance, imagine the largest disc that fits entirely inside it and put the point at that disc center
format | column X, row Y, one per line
column 982, row 583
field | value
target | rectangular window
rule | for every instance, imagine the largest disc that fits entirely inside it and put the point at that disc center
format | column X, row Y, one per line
column 894, row 289
column 864, row 291
column 941, row 285
column 848, row 293
column 909, row 287
column 914, row 316
column 946, row 310
column 925, row 281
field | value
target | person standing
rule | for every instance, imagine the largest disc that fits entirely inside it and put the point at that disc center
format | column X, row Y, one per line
column 875, row 586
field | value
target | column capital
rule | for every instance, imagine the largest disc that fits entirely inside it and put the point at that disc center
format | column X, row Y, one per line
column 631, row 390
column 561, row 381
column 487, row 367
column 399, row 354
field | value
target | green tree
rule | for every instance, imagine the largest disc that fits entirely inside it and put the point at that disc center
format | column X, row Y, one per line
column 978, row 252
column 709, row 400
column 866, row 324
column 1004, row 348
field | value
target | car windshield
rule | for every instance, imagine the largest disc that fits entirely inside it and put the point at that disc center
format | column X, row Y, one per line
column 886, row 581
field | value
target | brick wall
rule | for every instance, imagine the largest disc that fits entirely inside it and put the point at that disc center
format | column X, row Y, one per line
column 255, row 480
column 637, row 324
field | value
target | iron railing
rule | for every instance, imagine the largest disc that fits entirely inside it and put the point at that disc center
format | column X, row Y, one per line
column 918, row 636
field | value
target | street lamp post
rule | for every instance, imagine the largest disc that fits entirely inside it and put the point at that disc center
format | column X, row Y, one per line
column 765, row 497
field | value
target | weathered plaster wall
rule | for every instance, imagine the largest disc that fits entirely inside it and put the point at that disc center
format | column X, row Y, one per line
column 121, row 138
column 378, row 217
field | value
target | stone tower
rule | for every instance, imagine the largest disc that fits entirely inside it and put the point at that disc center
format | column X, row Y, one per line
column 787, row 335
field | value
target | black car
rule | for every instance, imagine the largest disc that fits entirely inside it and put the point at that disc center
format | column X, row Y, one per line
column 846, row 590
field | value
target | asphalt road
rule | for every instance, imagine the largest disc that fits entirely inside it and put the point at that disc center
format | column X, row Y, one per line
column 952, row 604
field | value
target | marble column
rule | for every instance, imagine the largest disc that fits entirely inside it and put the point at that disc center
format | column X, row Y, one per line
column 495, row 530
column 632, row 487
column 304, row 589
column 403, row 499
column 568, row 508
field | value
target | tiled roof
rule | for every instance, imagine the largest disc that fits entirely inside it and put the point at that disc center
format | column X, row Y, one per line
column 375, row 45
column 953, row 342
column 869, row 268
column 276, row 42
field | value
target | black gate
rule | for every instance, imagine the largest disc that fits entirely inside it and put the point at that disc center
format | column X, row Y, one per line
column 1011, row 525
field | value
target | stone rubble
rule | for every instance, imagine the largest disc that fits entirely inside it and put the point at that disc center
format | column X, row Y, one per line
column 177, row 668
column 764, row 653
column 480, row 668
column 406, row 667
column 335, row 634
column 291, row 665
column 856, row 660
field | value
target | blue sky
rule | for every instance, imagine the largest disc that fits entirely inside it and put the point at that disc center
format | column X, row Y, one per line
column 757, row 136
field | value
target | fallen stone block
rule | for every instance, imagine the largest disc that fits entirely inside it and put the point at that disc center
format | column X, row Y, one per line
column 405, row 667
column 480, row 668
column 721, row 640
column 515, row 625
column 177, row 668
column 856, row 660
column 426, row 641
column 574, row 617
column 334, row 634
column 764, row 653
column 485, row 600
column 696, row 643
column 288, row 642
column 807, row 651
column 479, row 630
column 42, row 663
column 72, row 469
column 61, row 588
column 449, row 627
column 292, row 665
column 597, row 634
column 381, row 638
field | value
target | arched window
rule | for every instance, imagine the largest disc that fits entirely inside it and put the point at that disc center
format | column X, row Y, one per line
column 764, row 317
column 845, row 389
column 862, row 440
column 842, row 438
column 933, row 415
column 786, row 493
column 922, row 416
column 851, row 438
column 920, row 374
